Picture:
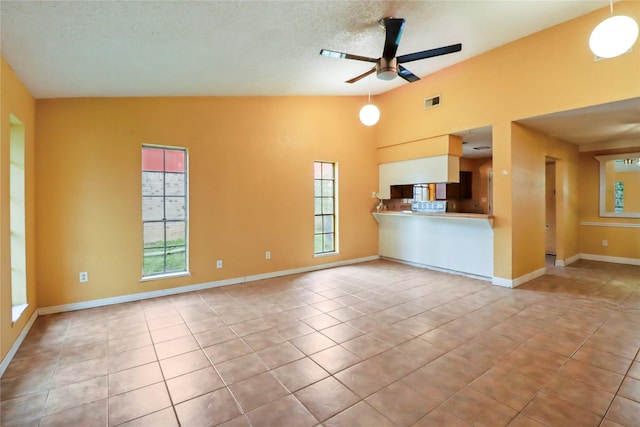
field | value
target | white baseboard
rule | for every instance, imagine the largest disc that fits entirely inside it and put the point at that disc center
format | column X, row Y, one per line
column 434, row 268
column 514, row 283
column 567, row 261
column 164, row 292
column 613, row 259
column 508, row 283
column 190, row 288
column 17, row 343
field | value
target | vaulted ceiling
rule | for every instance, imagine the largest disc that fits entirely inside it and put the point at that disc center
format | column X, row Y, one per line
column 247, row 48
column 258, row 48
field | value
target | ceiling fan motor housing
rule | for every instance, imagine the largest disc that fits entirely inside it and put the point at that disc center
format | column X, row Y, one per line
column 387, row 68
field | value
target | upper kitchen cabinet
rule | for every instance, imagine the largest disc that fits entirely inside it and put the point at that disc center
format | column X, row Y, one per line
column 461, row 190
column 417, row 171
column 417, row 162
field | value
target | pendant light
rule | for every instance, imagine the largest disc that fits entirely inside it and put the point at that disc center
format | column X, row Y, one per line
column 613, row 36
column 369, row 114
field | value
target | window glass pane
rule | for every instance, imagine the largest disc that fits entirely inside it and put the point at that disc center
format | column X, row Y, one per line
column 174, row 160
column 327, row 205
column 317, row 187
column 175, row 208
column 174, row 184
column 318, row 206
column 328, row 243
column 327, row 224
column 319, row 244
column 153, row 261
column 152, row 208
column 176, row 258
column 327, row 188
column 318, row 224
column 176, row 233
column 152, row 159
column 317, row 170
column 154, row 235
column 152, row 183
column 327, row 171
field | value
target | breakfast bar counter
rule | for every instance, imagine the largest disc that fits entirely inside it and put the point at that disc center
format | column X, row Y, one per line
column 455, row 242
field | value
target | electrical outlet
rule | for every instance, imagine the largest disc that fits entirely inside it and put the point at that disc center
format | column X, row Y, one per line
column 219, row 263
column 84, row 277
column 605, row 243
column 267, row 255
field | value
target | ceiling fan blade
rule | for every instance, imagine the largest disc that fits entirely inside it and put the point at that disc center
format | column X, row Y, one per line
column 361, row 76
column 334, row 54
column 429, row 53
column 407, row 75
column 394, row 27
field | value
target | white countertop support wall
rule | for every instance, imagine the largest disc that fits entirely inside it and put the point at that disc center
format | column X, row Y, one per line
column 456, row 243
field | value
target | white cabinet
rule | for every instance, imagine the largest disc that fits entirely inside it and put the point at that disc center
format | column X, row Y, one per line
column 444, row 168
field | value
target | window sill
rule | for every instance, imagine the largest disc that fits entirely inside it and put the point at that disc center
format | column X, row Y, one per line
column 16, row 312
column 325, row 254
column 165, row 276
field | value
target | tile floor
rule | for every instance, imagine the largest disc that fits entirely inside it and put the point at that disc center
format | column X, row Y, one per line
column 373, row 344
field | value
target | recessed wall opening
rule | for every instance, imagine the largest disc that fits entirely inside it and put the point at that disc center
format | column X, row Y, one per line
column 18, row 252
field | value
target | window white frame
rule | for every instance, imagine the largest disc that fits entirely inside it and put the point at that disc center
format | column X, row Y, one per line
column 166, row 220
column 325, row 179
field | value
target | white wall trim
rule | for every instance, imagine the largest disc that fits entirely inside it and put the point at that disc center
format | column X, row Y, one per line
column 567, row 261
column 17, row 343
column 499, row 281
column 514, row 283
column 440, row 269
column 197, row 287
column 614, row 259
column 609, row 224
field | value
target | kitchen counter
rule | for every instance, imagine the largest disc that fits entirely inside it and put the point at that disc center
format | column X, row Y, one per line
column 451, row 241
column 461, row 215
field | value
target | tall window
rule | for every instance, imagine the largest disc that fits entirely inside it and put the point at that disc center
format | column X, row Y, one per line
column 164, row 210
column 325, row 180
column 18, row 248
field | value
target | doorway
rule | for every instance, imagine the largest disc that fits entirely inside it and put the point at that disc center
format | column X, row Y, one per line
column 550, row 211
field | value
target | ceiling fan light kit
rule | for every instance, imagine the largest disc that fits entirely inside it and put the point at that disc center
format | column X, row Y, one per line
column 387, row 67
column 369, row 115
column 613, row 36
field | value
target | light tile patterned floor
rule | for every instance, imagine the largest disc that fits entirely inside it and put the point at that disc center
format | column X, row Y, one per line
column 374, row 344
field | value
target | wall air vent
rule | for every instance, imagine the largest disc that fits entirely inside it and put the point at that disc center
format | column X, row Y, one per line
column 432, row 102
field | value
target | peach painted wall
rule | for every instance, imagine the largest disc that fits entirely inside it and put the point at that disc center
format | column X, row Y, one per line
column 547, row 72
column 531, row 150
column 15, row 99
column 623, row 240
column 251, row 187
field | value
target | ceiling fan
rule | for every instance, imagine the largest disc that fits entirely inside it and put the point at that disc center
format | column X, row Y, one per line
column 388, row 65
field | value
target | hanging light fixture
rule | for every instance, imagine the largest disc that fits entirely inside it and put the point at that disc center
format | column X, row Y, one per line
column 613, row 36
column 369, row 114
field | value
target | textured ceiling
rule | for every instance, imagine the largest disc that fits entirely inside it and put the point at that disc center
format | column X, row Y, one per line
column 254, row 48
column 176, row 48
